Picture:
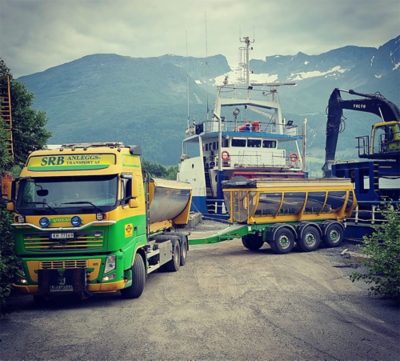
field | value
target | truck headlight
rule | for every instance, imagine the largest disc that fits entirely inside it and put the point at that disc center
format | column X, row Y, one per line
column 21, row 277
column 110, row 264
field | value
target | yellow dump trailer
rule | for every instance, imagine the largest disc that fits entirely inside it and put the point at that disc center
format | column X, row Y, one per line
column 289, row 200
column 286, row 213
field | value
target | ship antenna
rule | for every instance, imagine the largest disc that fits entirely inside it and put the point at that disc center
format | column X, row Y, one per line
column 245, row 57
column 206, row 59
column 187, row 82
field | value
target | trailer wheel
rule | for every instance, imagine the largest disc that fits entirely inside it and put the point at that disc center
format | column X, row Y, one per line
column 138, row 279
column 252, row 242
column 309, row 239
column 333, row 235
column 283, row 241
column 174, row 263
column 184, row 250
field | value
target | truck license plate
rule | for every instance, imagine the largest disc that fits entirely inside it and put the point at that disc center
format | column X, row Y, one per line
column 60, row 235
column 61, row 288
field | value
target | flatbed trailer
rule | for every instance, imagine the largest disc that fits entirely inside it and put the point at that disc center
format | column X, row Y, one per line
column 286, row 213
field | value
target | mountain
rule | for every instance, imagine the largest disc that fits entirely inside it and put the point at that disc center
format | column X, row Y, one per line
column 110, row 97
column 106, row 97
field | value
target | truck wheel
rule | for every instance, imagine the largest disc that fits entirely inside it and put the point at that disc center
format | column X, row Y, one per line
column 252, row 242
column 283, row 241
column 309, row 239
column 174, row 263
column 184, row 250
column 138, row 279
column 333, row 235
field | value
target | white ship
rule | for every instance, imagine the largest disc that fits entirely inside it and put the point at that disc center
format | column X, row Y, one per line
column 246, row 136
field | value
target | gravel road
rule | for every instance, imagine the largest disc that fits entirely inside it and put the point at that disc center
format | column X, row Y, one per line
column 226, row 303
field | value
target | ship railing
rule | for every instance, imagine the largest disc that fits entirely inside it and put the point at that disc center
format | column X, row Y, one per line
column 254, row 126
column 242, row 159
column 216, row 206
column 372, row 212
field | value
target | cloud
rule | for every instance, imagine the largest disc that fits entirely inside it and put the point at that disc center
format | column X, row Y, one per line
column 40, row 34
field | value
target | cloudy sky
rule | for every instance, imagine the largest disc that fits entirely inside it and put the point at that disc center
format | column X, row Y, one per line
column 38, row 34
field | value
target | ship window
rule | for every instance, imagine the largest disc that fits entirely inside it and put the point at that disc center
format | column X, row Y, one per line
column 238, row 142
column 335, row 201
column 268, row 204
column 225, row 143
column 292, row 203
column 215, row 145
column 269, row 143
column 254, row 143
column 315, row 202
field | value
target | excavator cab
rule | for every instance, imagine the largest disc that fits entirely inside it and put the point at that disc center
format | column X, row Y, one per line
column 383, row 143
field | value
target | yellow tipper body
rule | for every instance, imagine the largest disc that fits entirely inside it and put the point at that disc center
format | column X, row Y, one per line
column 289, row 200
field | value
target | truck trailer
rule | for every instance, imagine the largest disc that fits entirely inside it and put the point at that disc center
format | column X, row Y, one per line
column 88, row 219
column 286, row 213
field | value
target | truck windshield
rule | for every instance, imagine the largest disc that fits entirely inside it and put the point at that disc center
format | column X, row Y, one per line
column 65, row 195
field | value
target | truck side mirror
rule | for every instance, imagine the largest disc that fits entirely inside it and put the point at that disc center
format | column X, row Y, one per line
column 136, row 191
column 135, row 187
column 10, row 206
column 10, row 189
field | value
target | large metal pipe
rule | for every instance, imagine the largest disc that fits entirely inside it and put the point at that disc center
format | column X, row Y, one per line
column 168, row 199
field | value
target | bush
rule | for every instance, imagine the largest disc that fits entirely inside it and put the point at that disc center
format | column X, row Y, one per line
column 382, row 264
column 8, row 260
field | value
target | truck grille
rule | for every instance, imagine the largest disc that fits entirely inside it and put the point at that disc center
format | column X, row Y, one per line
column 63, row 264
column 81, row 241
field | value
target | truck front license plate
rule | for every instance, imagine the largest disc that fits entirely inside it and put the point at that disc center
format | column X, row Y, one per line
column 60, row 235
column 61, row 288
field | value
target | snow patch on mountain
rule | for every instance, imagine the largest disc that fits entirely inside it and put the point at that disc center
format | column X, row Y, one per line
column 317, row 73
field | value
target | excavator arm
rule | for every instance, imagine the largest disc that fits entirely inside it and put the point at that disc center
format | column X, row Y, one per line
column 370, row 103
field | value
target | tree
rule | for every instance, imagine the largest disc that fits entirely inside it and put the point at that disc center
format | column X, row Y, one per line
column 382, row 265
column 6, row 161
column 158, row 170
column 29, row 134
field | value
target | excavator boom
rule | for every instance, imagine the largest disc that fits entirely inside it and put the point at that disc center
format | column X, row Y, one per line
column 370, row 103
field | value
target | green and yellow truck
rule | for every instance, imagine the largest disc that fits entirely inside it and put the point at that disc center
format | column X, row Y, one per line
column 88, row 219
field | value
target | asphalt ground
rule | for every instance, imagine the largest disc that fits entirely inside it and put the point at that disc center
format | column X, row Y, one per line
column 227, row 303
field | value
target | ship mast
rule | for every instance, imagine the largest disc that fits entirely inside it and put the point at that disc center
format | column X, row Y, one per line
column 244, row 59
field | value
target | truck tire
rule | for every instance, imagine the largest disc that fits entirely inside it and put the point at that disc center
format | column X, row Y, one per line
column 252, row 242
column 138, row 279
column 309, row 239
column 184, row 250
column 283, row 241
column 333, row 235
column 174, row 264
